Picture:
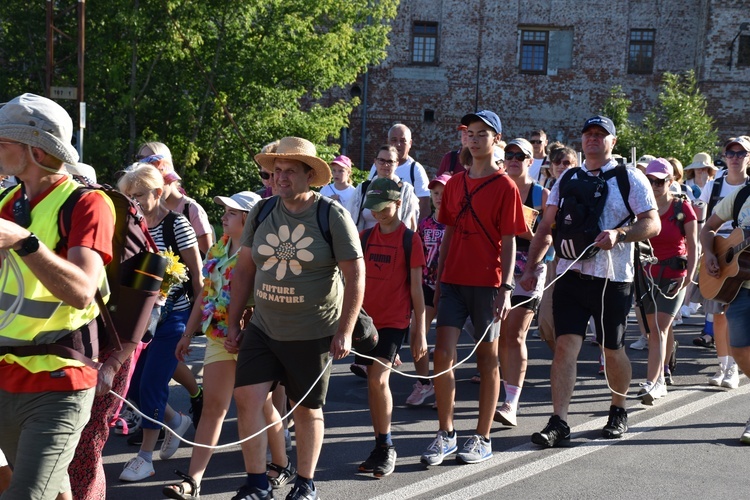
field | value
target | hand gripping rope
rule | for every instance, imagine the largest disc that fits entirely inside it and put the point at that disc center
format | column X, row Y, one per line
column 408, row 375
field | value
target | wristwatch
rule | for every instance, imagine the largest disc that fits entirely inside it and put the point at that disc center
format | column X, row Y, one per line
column 621, row 235
column 508, row 287
column 28, row 245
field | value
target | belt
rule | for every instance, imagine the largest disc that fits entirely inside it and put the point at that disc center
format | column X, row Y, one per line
column 586, row 277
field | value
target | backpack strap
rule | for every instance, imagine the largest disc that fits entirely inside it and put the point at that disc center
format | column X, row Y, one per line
column 186, row 209
column 679, row 212
column 411, row 170
column 361, row 206
column 324, row 224
column 65, row 217
column 620, row 173
column 454, row 161
column 715, row 194
column 742, row 196
column 536, row 194
column 266, row 206
column 407, row 243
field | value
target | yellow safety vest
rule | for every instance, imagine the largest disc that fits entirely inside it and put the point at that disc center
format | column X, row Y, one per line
column 43, row 318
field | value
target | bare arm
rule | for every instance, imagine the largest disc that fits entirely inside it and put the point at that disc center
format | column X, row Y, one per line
column 418, row 335
column 647, row 226
column 354, row 291
column 243, row 281
column 204, row 242
column 691, row 240
column 707, row 235
column 507, row 263
column 538, row 248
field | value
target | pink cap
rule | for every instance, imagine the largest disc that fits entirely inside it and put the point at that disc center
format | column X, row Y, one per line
column 440, row 179
column 660, row 168
column 344, row 161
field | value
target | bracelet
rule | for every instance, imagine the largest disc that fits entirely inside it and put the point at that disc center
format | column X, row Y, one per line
column 188, row 335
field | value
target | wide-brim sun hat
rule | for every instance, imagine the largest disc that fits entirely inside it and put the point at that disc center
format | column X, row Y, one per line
column 297, row 148
column 701, row 160
column 40, row 123
column 244, row 200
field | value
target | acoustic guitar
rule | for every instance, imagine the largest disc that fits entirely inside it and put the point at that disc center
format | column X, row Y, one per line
column 734, row 267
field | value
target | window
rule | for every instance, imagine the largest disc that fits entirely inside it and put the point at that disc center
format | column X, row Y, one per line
column 641, row 52
column 534, row 45
column 743, row 51
column 424, row 43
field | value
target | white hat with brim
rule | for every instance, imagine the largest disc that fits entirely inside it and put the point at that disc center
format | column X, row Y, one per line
column 296, row 148
column 244, row 200
column 40, row 123
column 701, row 160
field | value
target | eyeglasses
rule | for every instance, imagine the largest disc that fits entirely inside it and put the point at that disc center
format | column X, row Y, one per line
column 264, row 175
column 516, row 156
column 735, row 154
column 535, row 141
column 383, row 161
column 657, row 182
column 566, row 163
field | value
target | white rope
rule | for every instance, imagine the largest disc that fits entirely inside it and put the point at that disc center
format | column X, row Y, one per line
column 9, row 265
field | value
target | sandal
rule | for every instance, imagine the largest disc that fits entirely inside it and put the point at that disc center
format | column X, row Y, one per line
column 476, row 378
column 285, row 474
column 178, row 490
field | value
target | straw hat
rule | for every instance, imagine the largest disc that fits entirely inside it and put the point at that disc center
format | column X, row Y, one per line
column 296, row 148
column 701, row 160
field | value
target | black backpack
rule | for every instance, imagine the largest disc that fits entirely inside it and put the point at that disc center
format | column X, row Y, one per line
column 582, row 202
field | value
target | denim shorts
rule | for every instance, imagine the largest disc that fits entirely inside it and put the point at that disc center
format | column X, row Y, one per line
column 738, row 319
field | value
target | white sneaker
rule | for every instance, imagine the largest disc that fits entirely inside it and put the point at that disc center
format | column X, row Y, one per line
column 686, row 312
column 677, row 321
column 694, row 306
column 731, row 377
column 640, row 344
column 745, row 437
column 171, row 443
column 420, row 393
column 441, row 446
column 717, row 379
column 137, row 469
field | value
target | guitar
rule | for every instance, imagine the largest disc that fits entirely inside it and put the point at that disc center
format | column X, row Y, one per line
column 734, row 267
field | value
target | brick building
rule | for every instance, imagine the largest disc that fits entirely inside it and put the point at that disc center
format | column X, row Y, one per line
column 546, row 64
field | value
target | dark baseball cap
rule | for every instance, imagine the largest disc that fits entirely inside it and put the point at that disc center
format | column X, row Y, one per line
column 382, row 191
column 600, row 121
column 487, row 117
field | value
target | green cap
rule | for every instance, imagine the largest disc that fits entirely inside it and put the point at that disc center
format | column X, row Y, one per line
column 382, row 191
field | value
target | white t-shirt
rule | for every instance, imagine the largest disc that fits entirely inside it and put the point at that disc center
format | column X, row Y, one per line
column 420, row 181
column 726, row 190
column 535, row 170
column 344, row 195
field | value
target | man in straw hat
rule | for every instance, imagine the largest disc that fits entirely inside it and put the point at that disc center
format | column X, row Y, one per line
column 304, row 313
column 45, row 399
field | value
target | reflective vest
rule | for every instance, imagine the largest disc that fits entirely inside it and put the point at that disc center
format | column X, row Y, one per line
column 43, row 318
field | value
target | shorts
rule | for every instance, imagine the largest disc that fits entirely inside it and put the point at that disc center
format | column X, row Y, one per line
column 663, row 303
column 525, row 302
column 458, row 302
column 540, row 273
column 738, row 319
column 215, row 351
column 578, row 297
column 294, row 363
column 389, row 342
column 429, row 296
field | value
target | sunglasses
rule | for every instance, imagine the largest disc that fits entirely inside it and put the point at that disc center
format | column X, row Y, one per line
column 517, row 156
column 735, row 154
column 566, row 163
column 22, row 209
column 657, row 182
column 264, row 175
column 535, row 141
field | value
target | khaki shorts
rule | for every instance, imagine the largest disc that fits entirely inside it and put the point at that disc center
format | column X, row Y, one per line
column 215, row 351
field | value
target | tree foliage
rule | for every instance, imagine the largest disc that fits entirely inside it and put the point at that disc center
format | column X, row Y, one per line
column 678, row 125
column 213, row 80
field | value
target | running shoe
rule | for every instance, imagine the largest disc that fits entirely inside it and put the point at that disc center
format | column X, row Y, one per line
column 419, row 393
column 441, row 446
column 556, row 431
column 476, row 449
column 617, row 424
column 171, row 443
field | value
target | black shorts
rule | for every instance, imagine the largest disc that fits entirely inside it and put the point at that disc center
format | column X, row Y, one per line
column 531, row 303
column 577, row 298
column 389, row 342
column 294, row 363
column 429, row 296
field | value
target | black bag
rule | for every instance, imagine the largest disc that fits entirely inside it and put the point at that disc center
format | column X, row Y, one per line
column 365, row 336
column 582, row 202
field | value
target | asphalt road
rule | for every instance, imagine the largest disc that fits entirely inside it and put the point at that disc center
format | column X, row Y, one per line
column 686, row 445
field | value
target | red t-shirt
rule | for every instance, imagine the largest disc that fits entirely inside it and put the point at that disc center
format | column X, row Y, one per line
column 474, row 253
column 93, row 229
column 387, row 292
column 670, row 242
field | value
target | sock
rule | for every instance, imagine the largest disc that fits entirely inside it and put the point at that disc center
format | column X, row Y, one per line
column 259, row 481
column 486, row 440
column 730, row 361
column 200, row 391
column 666, row 370
column 708, row 328
column 724, row 361
column 384, row 440
column 452, row 434
column 175, row 421
column 146, row 455
column 424, row 381
column 512, row 394
column 303, row 480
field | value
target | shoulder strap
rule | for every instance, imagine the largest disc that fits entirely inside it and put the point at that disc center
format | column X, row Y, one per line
column 740, row 200
column 364, row 237
column 324, row 223
column 623, row 183
column 266, row 207
column 679, row 211
column 364, row 185
column 186, row 209
column 566, row 176
column 536, row 194
column 454, row 160
column 65, row 217
column 408, row 236
column 411, row 170
column 168, row 232
column 715, row 194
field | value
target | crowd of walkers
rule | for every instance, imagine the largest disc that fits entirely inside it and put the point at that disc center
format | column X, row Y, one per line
column 474, row 246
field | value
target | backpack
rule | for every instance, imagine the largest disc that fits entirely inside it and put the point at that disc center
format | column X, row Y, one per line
column 406, row 243
column 454, row 161
column 582, row 202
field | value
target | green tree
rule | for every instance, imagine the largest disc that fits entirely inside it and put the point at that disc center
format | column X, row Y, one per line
column 678, row 125
column 213, row 80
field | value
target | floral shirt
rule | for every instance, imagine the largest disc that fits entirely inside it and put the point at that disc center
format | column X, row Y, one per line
column 217, row 273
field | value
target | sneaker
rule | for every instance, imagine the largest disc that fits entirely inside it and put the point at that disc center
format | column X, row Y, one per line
column 369, row 464
column 136, row 439
column 441, row 446
column 384, row 461
column 677, row 321
column 617, row 424
column 128, row 422
column 137, row 469
column 506, row 415
column 705, row 340
column 668, row 380
column 475, row 450
column 420, row 393
column 650, row 391
column 717, row 379
column 302, row 491
column 196, row 406
column 640, row 344
column 358, row 370
column 731, row 377
column 556, row 432
column 171, row 443
column 745, row 437
column 247, row 493
column 686, row 312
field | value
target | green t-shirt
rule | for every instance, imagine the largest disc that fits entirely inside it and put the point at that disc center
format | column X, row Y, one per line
column 298, row 287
